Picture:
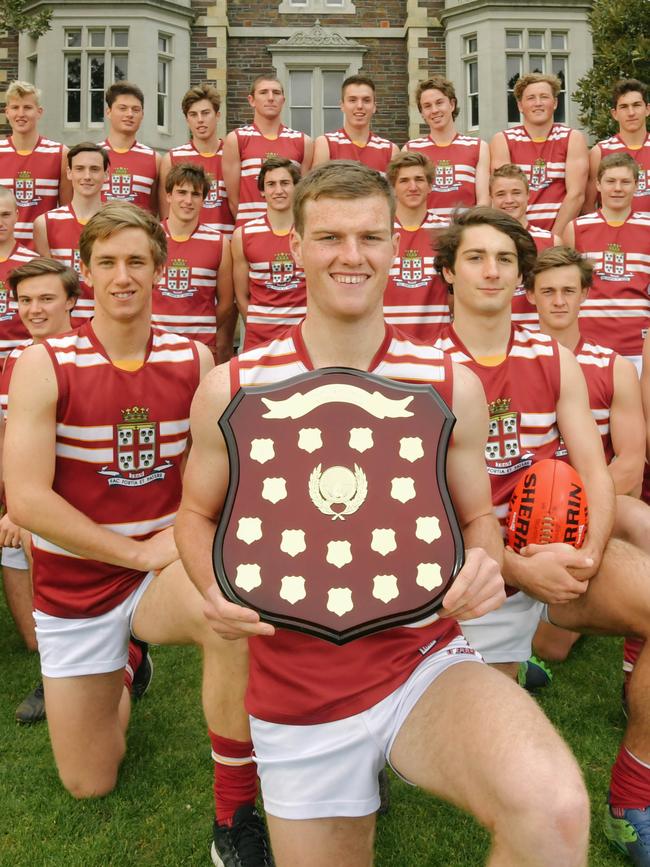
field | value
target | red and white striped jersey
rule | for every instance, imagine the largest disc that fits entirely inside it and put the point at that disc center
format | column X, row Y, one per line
column 416, row 296
column 63, row 232
column 523, row 312
column 254, row 148
column 215, row 212
column 276, row 285
column 544, row 163
column 120, row 439
column 616, row 312
column 351, row 678
column 12, row 331
column 184, row 301
column 131, row 176
column 5, row 377
column 597, row 363
column 34, row 180
column 454, row 180
column 376, row 153
column 616, row 145
column 522, row 394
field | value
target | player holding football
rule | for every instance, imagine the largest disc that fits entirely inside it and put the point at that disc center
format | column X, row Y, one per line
column 355, row 140
column 316, row 707
column 246, row 148
column 554, row 157
column 534, row 388
column 630, row 109
column 57, row 232
column 96, row 436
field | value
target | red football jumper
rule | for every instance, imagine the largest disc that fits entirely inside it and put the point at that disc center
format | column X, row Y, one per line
column 597, row 363
column 185, row 299
column 616, row 312
column 544, row 163
column 282, row 686
column 131, row 177
column 254, row 149
column 215, row 212
column 120, row 440
column 63, row 231
column 616, row 145
column 276, row 284
column 34, row 180
column 523, row 312
column 416, row 296
column 12, row 331
column 454, row 181
column 376, row 153
column 5, row 376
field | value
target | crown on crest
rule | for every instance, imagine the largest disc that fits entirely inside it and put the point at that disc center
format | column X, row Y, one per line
column 178, row 263
column 135, row 414
column 613, row 248
column 282, row 257
column 24, row 175
column 499, row 406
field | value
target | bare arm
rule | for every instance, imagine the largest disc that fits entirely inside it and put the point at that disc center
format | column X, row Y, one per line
column 231, row 168
column 645, row 391
column 591, row 197
column 226, row 310
column 41, row 242
column 65, row 186
column 627, row 429
column 240, row 273
column 499, row 153
column 569, row 234
column 577, row 173
column 321, row 151
column 165, row 168
column 308, row 156
column 483, row 176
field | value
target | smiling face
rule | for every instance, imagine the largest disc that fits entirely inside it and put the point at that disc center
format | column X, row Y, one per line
column 23, row 114
column 617, row 187
column 87, row 173
column 557, row 294
column 436, row 109
column 346, row 250
column 202, row 120
column 537, row 103
column 510, row 195
column 43, row 306
column 412, row 187
column 125, row 115
column 358, row 105
column 185, row 202
column 278, row 189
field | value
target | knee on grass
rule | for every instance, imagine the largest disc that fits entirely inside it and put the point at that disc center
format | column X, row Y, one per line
column 85, row 789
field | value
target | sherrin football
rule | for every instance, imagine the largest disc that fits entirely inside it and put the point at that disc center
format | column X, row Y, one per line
column 549, row 504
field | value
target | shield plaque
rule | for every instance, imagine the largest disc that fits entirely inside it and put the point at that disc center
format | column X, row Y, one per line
column 337, row 520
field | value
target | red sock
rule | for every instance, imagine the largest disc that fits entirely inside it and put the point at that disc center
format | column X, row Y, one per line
column 632, row 647
column 235, row 776
column 630, row 783
column 135, row 658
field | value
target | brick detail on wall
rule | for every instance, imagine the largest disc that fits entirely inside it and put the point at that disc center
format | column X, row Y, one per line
column 8, row 70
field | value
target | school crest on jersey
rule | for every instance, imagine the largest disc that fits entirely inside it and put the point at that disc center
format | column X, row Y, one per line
column 5, row 312
column 213, row 199
column 337, row 520
column 176, row 282
column 76, row 261
column 614, row 264
column 136, row 450
column 25, row 188
column 122, row 184
column 283, row 273
column 444, row 178
column 538, row 175
column 411, row 272
column 503, row 449
column 642, row 187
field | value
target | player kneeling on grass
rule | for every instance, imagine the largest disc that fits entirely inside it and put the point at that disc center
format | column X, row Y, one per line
column 534, row 388
column 404, row 695
column 96, row 436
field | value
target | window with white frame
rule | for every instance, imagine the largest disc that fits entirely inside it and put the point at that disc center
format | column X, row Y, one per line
column 164, row 78
column 322, row 7
column 470, row 60
column 94, row 58
column 313, row 98
column 536, row 50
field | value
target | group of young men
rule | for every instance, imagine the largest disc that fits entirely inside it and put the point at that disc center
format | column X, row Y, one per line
column 377, row 260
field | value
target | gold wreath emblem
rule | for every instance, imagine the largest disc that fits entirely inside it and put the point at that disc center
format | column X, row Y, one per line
column 338, row 486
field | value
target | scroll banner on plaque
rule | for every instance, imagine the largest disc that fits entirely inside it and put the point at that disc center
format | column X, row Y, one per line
column 337, row 520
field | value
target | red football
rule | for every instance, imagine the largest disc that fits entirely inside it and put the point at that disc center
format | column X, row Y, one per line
column 549, row 504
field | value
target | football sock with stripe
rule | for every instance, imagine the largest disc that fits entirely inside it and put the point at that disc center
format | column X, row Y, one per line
column 235, row 776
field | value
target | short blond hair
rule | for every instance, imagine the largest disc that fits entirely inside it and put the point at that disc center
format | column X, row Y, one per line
column 560, row 257
column 409, row 160
column 114, row 217
column 21, row 89
column 511, row 171
column 536, row 78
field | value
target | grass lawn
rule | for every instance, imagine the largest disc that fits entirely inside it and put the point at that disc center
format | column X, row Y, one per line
column 161, row 812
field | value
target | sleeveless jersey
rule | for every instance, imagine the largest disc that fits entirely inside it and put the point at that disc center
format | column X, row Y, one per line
column 301, row 680
column 454, row 181
column 215, row 212
column 597, row 363
column 616, row 145
column 416, row 296
column 616, row 312
column 276, row 285
column 34, row 180
column 12, row 331
column 523, row 312
column 376, row 153
column 545, row 166
column 522, row 394
column 120, row 440
column 254, row 148
column 131, row 176
column 63, row 232
column 5, row 376
column 185, row 298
